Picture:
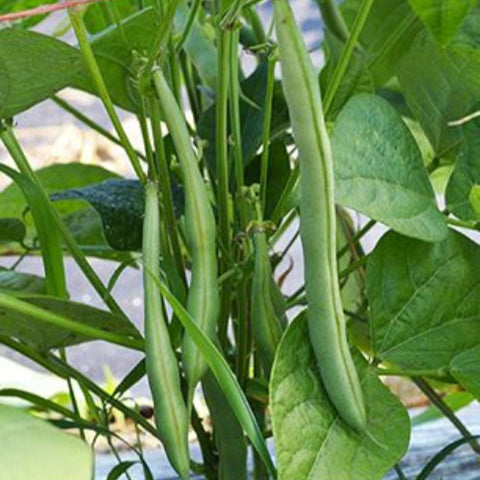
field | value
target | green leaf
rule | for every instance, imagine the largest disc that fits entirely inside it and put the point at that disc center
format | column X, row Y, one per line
column 387, row 36
column 442, row 17
column 34, row 450
column 12, row 230
column 424, row 300
column 44, row 336
column 379, row 169
column 311, row 440
column 120, row 469
column 33, row 67
column 440, row 85
column 465, row 368
column 462, row 190
column 21, row 282
column 120, row 204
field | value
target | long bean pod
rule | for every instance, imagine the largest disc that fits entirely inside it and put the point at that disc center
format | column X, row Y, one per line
column 162, row 367
column 203, row 298
column 317, row 222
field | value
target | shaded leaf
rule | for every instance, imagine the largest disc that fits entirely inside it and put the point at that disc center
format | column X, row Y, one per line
column 465, row 178
column 379, row 170
column 12, row 230
column 440, row 85
column 21, row 282
column 442, row 17
column 120, row 204
column 43, row 336
column 311, row 440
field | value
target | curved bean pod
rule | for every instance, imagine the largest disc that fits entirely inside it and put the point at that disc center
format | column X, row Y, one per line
column 203, row 298
column 317, row 222
column 162, row 366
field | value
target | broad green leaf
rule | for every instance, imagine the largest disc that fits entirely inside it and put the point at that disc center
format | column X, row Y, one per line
column 12, row 230
column 442, row 17
column 44, row 336
column 34, row 67
column 21, row 282
column 462, row 189
column 440, row 85
column 379, row 169
column 465, row 368
column 34, row 450
column 311, row 440
column 120, row 204
column 455, row 401
column 424, row 299
column 387, row 36
column 100, row 16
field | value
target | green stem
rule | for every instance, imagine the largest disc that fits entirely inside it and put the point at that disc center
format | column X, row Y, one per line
column 188, row 24
column 237, row 128
column 333, row 19
column 356, row 238
column 272, row 61
column 89, row 122
column 347, row 53
column 102, row 90
column 24, row 308
column 394, row 372
column 435, row 399
column 471, row 225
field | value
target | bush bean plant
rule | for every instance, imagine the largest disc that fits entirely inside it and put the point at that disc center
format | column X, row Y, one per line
column 249, row 151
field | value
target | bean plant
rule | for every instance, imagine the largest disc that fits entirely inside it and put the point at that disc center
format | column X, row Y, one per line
column 250, row 152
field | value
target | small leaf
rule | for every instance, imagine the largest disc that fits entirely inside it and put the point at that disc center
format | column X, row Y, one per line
column 120, row 205
column 379, row 170
column 311, row 440
column 442, row 17
column 34, row 450
column 424, row 300
column 120, row 469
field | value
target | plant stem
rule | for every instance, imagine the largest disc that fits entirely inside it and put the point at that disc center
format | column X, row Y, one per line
column 347, row 52
column 89, row 122
column 102, row 90
column 356, row 238
column 394, row 372
column 272, row 60
column 333, row 19
column 446, row 410
column 224, row 36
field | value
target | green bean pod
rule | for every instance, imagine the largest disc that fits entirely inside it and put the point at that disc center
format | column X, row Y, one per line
column 317, row 222
column 162, row 367
column 266, row 319
column 203, row 297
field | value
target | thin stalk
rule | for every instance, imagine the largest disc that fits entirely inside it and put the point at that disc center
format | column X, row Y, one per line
column 143, row 123
column 89, row 122
column 333, row 19
column 471, row 225
column 399, row 471
column 284, row 197
column 24, row 308
column 394, row 372
column 267, row 123
column 255, row 22
column 435, row 399
column 221, row 148
column 102, row 90
column 347, row 53
column 237, row 127
column 356, row 238
column 188, row 24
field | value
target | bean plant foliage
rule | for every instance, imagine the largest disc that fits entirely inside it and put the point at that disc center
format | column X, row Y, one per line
column 248, row 153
